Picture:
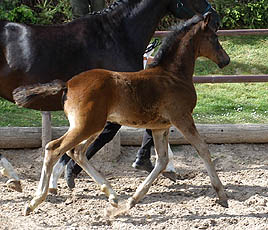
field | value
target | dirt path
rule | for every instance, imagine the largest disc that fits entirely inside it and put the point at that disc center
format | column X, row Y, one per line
column 187, row 204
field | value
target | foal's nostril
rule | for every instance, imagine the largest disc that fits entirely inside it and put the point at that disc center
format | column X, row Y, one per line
column 224, row 63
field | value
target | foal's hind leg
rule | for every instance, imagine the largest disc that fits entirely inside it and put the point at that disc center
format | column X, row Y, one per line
column 161, row 149
column 53, row 152
column 79, row 156
column 187, row 127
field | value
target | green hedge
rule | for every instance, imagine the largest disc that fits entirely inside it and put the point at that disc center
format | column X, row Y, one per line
column 251, row 14
column 35, row 11
column 234, row 13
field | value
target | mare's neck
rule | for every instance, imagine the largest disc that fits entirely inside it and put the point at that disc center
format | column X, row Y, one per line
column 142, row 22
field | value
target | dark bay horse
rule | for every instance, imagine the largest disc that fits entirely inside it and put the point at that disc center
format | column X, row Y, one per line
column 155, row 98
column 114, row 39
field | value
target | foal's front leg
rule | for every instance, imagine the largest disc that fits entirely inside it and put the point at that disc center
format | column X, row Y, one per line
column 186, row 125
column 161, row 149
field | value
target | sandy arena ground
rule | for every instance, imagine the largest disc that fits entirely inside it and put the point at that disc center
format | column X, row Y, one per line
column 187, row 204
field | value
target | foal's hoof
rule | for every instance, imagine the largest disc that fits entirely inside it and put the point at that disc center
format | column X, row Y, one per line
column 223, row 203
column 113, row 201
column 53, row 191
column 14, row 185
column 111, row 212
column 170, row 175
column 27, row 210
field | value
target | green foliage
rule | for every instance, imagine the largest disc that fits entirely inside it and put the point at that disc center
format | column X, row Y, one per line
column 251, row 14
column 35, row 11
column 13, row 11
column 51, row 12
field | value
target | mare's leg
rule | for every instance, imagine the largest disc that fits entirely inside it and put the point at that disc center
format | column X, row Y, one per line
column 143, row 156
column 7, row 170
column 143, row 161
column 78, row 155
column 161, row 148
column 186, row 125
column 53, row 151
column 106, row 136
column 57, row 172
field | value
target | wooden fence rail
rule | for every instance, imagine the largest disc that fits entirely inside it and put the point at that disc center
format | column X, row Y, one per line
column 30, row 137
column 162, row 34
column 231, row 78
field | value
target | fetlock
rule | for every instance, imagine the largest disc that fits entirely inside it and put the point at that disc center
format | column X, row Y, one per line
column 143, row 164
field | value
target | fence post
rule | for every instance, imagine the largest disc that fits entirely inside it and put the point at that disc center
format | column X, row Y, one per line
column 46, row 128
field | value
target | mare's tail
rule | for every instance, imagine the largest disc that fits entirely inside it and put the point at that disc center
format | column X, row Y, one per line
column 24, row 95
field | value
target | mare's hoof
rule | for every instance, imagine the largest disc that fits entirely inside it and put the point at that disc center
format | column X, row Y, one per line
column 170, row 175
column 223, row 203
column 143, row 164
column 14, row 185
column 53, row 191
column 27, row 210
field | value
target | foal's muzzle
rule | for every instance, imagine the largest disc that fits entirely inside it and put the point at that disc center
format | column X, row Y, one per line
column 224, row 62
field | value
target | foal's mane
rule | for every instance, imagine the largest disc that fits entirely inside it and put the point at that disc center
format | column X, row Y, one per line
column 178, row 31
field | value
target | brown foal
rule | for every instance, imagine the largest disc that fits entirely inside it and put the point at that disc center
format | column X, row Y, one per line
column 156, row 98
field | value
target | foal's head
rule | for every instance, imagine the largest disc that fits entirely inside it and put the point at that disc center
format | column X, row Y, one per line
column 210, row 46
column 188, row 41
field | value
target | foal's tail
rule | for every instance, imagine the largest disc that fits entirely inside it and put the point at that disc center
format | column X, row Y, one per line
column 24, row 95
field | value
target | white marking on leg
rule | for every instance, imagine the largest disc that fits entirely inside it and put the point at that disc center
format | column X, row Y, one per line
column 56, row 173
column 7, row 170
column 170, row 167
column 42, row 189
